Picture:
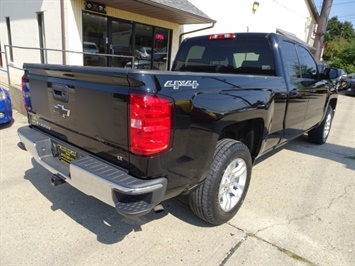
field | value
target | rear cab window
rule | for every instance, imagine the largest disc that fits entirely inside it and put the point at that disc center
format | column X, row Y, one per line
column 237, row 56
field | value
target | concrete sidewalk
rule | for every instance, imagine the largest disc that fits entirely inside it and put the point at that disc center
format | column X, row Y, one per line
column 300, row 210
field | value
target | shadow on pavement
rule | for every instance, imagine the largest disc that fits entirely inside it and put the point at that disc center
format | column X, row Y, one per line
column 98, row 217
column 7, row 125
column 337, row 153
column 340, row 154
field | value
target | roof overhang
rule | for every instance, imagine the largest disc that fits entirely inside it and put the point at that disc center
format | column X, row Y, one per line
column 179, row 11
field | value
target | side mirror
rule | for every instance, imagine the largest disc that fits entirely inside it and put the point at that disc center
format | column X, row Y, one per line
column 330, row 73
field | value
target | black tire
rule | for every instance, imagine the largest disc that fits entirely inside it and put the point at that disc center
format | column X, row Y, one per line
column 206, row 201
column 319, row 135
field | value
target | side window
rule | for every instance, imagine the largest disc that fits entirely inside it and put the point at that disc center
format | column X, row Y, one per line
column 290, row 59
column 308, row 65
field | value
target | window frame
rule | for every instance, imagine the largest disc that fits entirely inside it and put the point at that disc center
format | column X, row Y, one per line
column 133, row 41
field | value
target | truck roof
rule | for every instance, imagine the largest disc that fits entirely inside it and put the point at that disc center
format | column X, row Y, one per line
column 252, row 35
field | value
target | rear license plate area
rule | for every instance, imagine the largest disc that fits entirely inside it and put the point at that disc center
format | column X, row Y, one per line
column 65, row 154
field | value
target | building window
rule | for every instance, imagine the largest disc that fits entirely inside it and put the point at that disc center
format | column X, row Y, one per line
column 143, row 45
column 42, row 37
column 161, row 48
column 120, row 39
column 9, row 38
column 124, row 40
column 94, row 39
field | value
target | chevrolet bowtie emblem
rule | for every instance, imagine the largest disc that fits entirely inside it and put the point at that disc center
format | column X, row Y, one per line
column 61, row 110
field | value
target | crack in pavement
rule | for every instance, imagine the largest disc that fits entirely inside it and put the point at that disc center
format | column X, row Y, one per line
column 283, row 250
column 314, row 213
column 251, row 235
column 233, row 250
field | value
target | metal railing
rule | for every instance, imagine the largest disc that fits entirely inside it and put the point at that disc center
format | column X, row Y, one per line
column 1, row 67
column 11, row 65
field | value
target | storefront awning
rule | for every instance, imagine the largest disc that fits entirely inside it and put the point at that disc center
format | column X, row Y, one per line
column 177, row 11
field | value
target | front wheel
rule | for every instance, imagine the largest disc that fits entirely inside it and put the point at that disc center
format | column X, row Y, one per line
column 319, row 135
column 222, row 193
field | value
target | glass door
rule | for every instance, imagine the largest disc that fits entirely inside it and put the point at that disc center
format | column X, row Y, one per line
column 94, row 39
column 161, row 48
column 143, row 41
column 120, row 43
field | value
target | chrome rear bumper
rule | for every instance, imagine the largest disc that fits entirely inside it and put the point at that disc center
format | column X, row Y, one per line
column 113, row 185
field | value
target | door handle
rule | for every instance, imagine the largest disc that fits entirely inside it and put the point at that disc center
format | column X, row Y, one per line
column 60, row 92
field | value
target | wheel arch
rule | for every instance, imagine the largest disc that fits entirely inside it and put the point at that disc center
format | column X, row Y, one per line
column 333, row 103
column 249, row 132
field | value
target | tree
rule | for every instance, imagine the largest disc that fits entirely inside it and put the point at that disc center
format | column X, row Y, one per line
column 339, row 44
column 338, row 29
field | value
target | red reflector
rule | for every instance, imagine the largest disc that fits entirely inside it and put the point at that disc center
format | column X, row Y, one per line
column 150, row 124
column 222, row 36
column 26, row 94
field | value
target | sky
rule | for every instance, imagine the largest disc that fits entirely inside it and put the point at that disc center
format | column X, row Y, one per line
column 343, row 9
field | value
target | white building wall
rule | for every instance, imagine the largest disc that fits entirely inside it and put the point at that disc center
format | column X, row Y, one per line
column 24, row 29
column 73, row 31
column 237, row 16
column 25, row 33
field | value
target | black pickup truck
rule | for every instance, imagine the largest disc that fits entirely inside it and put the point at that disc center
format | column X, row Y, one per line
column 134, row 138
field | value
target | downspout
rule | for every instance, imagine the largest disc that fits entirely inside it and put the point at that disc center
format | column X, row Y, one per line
column 63, row 31
column 184, row 33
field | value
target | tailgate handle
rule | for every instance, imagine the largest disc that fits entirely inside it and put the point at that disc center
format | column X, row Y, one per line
column 60, row 92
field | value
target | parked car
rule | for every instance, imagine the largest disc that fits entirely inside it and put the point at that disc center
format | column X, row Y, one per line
column 350, row 90
column 341, row 81
column 5, row 106
column 141, row 64
column 90, row 47
column 146, row 54
column 143, row 53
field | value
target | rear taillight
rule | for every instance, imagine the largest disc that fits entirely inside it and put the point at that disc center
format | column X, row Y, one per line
column 150, row 124
column 26, row 93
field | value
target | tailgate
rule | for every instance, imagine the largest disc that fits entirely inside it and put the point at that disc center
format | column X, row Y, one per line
column 85, row 106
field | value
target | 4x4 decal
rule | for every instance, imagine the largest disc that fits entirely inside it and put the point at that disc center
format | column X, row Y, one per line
column 176, row 84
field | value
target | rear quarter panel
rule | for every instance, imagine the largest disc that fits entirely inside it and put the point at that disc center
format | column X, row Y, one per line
column 203, row 107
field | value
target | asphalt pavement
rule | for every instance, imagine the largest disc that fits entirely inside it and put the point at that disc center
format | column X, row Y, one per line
column 299, row 210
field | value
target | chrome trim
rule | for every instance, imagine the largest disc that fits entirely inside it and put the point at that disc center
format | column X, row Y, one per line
column 89, row 174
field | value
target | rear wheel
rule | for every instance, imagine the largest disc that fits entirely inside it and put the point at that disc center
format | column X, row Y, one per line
column 222, row 193
column 319, row 135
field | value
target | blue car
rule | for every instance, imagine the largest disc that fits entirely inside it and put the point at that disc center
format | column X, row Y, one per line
column 5, row 106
